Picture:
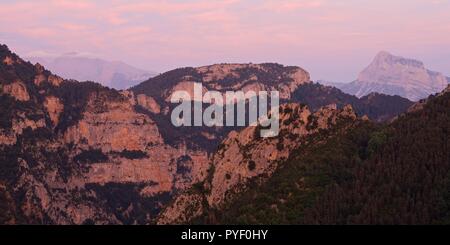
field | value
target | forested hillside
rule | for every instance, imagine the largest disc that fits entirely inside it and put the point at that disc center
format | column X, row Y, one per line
column 371, row 174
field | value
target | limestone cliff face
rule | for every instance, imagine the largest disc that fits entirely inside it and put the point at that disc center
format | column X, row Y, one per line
column 148, row 103
column 113, row 126
column 251, row 77
column 70, row 145
column 154, row 95
column 19, row 123
column 225, row 77
column 17, row 90
column 50, row 199
column 244, row 157
column 184, row 208
column 54, row 108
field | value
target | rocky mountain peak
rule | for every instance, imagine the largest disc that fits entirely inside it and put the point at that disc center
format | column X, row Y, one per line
column 226, row 77
column 386, row 58
column 395, row 75
column 390, row 69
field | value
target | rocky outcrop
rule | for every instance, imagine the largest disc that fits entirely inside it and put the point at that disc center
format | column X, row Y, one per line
column 8, row 60
column 40, row 76
column 55, row 80
column 148, row 103
column 222, row 78
column 54, row 108
column 183, row 209
column 113, row 126
column 7, row 138
column 221, row 71
column 17, row 89
column 43, row 75
column 47, row 197
column 22, row 122
column 72, row 141
column 19, row 123
column 251, row 77
column 226, row 77
column 244, row 157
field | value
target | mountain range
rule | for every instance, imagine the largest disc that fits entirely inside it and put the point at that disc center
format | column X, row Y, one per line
column 395, row 75
column 113, row 74
column 81, row 153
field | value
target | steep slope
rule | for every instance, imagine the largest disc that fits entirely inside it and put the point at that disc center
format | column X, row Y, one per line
column 394, row 75
column 227, row 77
column 377, row 107
column 406, row 182
column 244, row 159
column 156, row 92
column 113, row 74
column 69, row 149
column 367, row 174
column 293, row 83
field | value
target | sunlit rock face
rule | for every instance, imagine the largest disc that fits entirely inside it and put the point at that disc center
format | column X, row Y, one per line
column 148, row 103
column 54, row 108
column 244, row 157
column 17, row 90
column 226, row 77
column 72, row 148
column 394, row 75
column 222, row 78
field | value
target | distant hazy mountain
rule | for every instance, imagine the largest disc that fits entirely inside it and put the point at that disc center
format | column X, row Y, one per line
column 114, row 74
column 394, row 75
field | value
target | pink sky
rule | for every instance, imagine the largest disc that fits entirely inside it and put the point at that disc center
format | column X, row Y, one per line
column 333, row 39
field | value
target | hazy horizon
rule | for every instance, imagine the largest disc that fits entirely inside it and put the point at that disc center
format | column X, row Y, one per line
column 333, row 40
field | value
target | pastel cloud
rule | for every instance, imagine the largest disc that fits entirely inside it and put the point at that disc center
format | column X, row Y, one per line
column 291, row 5
column 71, row 5
column 333, row 39
column 172, row 7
